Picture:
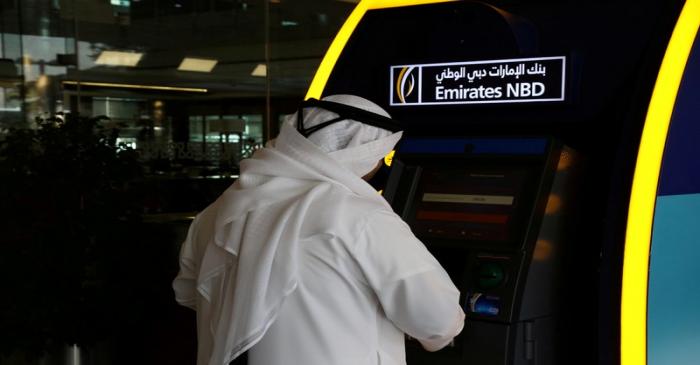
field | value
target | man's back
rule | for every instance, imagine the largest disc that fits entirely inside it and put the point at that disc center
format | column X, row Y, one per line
column 301, row 262
column 354, row 253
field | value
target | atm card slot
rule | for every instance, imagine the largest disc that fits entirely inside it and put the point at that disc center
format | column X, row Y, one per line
column 447, row 216
column 468, row 199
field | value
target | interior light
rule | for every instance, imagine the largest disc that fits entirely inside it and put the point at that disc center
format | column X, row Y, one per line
column 554, row 204
column 117, row 58
column 565, row 161
column 260, row 70
column 75, row 355
column 543, row 250
column 137, row 86
column 42, row 82
column 289, row 23
column 197, row 64
column 323, row 18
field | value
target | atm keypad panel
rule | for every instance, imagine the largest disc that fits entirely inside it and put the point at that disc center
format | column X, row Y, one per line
column 488, row 285
column 487, row 280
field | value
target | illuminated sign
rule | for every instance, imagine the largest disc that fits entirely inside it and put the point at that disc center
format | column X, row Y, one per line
column 523, row 80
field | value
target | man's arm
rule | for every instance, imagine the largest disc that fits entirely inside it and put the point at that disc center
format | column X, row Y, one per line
column 185, row 283
column 415, row 292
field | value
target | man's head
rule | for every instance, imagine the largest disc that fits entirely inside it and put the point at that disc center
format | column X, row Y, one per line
column 358, row 140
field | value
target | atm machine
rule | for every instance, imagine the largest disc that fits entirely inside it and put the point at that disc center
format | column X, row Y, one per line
column 494, row 212
column 531, row 167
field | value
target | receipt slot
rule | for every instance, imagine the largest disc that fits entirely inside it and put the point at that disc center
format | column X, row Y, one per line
column 492, row 212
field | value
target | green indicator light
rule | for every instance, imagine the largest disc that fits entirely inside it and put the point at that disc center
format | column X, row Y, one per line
column 489, row 275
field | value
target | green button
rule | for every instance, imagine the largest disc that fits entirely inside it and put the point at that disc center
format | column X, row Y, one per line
column 489, row 275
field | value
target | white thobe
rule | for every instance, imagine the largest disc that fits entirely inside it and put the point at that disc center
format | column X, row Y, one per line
column 362, row 285
column 301, row 262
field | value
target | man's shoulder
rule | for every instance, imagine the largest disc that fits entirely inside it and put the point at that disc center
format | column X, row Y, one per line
column 343, row 197
column 341, row 207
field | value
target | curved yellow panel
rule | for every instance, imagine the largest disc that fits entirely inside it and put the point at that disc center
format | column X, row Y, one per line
column 635, row 273
column 331, row 57
column 389, row 158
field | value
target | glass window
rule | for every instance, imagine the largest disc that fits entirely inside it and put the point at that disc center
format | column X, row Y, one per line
column 218, row 130
column 165, row 71
column 196, row 128
column 253, row 127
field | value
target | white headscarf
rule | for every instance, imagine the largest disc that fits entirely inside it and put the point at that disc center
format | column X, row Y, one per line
column 239, row 261
column 355, row 145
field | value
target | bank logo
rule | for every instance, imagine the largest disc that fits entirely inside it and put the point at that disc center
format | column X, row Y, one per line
column 515, row 80
column 405, row 85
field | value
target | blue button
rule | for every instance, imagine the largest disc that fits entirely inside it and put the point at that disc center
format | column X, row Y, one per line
column 484, row 304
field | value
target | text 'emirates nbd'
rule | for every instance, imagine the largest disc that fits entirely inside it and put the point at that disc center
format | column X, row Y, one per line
column 479, row 82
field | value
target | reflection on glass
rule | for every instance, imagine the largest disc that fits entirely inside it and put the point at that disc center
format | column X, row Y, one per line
column 197, row 69
column 196, row 128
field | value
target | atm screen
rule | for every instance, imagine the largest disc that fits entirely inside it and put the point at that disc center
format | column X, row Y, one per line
column 470, row 204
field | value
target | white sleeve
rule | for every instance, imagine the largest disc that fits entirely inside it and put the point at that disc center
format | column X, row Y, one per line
column 185, row 283
column 415, row 292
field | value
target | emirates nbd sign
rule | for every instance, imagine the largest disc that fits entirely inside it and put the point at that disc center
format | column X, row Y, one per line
column 524, row 80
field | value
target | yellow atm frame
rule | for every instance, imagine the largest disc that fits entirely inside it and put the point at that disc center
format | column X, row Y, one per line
column 635, row 274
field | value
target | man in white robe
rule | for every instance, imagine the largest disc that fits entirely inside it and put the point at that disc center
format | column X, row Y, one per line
column 301, row 262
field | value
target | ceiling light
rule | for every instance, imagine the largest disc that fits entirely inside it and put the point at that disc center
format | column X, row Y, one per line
column 197, row 64
column 260, row 70
column 116, row 58
column 289, row 23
